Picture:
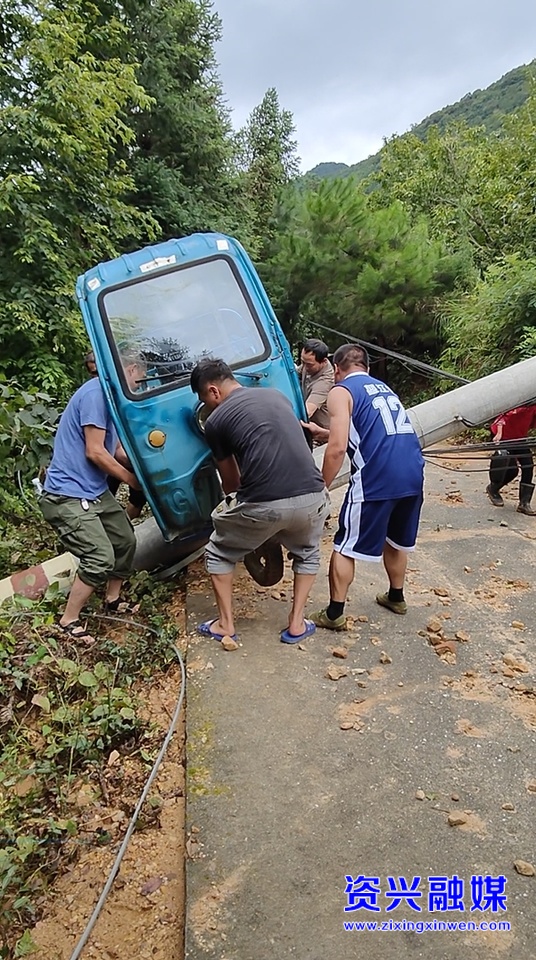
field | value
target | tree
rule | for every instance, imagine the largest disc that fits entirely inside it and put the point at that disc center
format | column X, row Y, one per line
column 183, row 162
column 62, row 188
column 268, row 161
column 477, row 190
column 368, row 272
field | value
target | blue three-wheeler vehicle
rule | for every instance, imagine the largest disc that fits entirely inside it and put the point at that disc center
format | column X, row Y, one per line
column 169, row 305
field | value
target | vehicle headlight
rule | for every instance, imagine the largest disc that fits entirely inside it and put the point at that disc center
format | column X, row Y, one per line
column 201, row 414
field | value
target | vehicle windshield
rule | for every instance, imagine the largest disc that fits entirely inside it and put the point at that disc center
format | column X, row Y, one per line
column 173, row 320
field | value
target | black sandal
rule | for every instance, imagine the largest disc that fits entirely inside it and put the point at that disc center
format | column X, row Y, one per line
column 120, row 606
column 77, row 631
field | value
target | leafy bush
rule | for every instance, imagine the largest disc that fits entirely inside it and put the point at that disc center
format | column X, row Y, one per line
column 494, row 325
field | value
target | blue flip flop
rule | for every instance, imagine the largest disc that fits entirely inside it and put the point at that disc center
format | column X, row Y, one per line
column 204, row 629
column 287, row 637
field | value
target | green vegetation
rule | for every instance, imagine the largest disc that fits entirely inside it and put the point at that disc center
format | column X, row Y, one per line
column 63, row 711
column 113, row 134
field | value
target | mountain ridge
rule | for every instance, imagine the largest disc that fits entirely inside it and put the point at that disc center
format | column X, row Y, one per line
column 482, row 107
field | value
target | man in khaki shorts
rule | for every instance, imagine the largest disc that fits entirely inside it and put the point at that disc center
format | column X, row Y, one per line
column 261, row 453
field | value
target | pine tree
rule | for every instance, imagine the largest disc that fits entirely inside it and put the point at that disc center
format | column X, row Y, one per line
column 269, row 162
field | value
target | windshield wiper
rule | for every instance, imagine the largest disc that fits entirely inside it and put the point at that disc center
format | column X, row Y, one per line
column 164, row 376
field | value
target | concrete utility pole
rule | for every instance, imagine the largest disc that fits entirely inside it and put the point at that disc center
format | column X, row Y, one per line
column 433, row 420
column 476, row 403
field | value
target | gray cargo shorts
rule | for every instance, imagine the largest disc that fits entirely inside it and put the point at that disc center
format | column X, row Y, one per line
column 297, row 523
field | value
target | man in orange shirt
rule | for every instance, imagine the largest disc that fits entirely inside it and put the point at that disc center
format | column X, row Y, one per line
column 513, row 428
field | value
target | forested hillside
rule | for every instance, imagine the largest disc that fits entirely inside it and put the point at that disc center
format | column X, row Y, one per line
column 481, row 108
column 114, row 133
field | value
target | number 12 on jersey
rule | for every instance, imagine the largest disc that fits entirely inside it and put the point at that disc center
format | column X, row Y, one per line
column 388, row 407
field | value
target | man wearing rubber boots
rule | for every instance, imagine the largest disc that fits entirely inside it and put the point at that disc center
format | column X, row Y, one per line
column 262, row 454
column 513, row 428
column 379, row 518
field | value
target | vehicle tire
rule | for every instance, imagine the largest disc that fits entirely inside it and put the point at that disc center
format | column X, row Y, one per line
column 265, row 564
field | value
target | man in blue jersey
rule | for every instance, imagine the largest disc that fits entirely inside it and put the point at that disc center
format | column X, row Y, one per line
column 379, row 518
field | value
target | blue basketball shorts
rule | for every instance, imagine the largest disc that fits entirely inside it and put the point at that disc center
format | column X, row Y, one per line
column 365, row 528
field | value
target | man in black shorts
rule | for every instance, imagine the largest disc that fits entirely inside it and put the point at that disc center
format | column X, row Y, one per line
column 379, row 518
column 262, row 454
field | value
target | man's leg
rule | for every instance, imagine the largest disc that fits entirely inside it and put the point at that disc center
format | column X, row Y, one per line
column 82, row 533
column 395, row 563
column 523, row 456
column 361, row 534
column 222, row 584
column 113, row 590
column 119, row 531
column 238, row 529
column 303, row 583
column 79, row 595
column 301, row 536
column 401, row 536
column 341, row 575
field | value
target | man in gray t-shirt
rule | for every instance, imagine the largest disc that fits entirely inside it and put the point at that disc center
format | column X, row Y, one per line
column 261, row 453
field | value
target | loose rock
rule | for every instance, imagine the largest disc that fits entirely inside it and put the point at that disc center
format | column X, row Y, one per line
column 524, row 868
column 150, row 886
column 446, row 649
column 456, row 819
column 340, row 652
column 518, row 625
column 229, row 644
column 440, row 592
column 420, row 795
column 531, row 787
column 385, row 658
column 507, row 806
column 514, row 664
column 336, row 673
column 434, row 625
column 462, row 635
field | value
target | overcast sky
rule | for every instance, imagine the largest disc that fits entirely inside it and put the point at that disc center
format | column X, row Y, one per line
column 354, row 72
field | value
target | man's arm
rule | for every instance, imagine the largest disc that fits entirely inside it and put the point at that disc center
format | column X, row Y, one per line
column 121, row 457
column 317, row 433
column 98, row 454
column 339, row 409
column 318, row 395
column 229, row 473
